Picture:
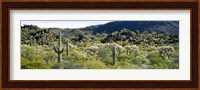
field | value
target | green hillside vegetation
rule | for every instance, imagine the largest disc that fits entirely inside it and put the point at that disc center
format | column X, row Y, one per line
column 54, row 48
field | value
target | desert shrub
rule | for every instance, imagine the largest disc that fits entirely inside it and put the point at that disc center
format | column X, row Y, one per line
column 176, row 46
column 76, row 55
column 145, row 66
column 175, row 57
column 132, row 49
column 160, row 66
column 140, row 60
column 24, row 62
column 94, row 64
column 142, row 54
column 38, row 56
column 174, row 66
column 57, row 66
column 124, row 65
column 166, row 51
column 33, row 57
column 50, row 56
column 125, row 57
column 152, row 48
column 153, row 54
column 34, row 64
column 104, row 53
column 73, row 64
column 28, row 52
column 82, row 64
column 108, row 61
column 32, row 52
column 159, row 63
column 175, row 60
column 92, row 50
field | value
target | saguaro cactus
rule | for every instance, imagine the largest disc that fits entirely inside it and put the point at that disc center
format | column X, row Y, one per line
column 114, row 55
column 67, row 46
column 58, row 49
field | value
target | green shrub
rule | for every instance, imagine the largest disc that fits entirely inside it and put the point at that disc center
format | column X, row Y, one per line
column 166, row 51
column 160, row 63
column 125, row 65
column 72, row 66
column 94, row 64
column 28, row 52
column 76, row 55
column 175, row 57
column 157, row 62
column 57, row 66
column 32, row 52
column 140, row 60
column 108, row 61
column 125, row 57
column 50, row 56
column 104, row 53
column 24, row 62
column 142, row 54
column 34, row 64
column 153, row 54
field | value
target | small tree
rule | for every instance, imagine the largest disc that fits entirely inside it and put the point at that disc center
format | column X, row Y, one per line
column 92, row 50
column 166, row 51
column 151, row 48
column 133, row 49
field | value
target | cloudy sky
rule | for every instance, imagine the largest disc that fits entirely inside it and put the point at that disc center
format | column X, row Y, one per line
column 63, row 24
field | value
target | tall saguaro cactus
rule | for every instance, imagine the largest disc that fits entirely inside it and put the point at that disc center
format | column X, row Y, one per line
column 67, row 46
column 58, row 49
column 114, row 55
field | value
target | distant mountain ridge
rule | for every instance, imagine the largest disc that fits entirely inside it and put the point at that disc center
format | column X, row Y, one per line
column 141, row 26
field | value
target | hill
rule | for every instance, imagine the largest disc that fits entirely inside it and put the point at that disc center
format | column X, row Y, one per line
column 141, row 26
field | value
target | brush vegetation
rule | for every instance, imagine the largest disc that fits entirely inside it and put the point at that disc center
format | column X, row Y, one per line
column 51, row 48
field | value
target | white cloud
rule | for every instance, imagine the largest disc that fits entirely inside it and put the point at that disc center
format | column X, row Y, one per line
column 63, row 24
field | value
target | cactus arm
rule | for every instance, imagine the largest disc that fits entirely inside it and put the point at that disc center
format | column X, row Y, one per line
column 55, row 49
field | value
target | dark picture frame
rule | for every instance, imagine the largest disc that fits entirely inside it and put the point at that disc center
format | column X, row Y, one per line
column 7, row 83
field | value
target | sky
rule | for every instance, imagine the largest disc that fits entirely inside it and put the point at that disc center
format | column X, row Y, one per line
column 62, row 24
